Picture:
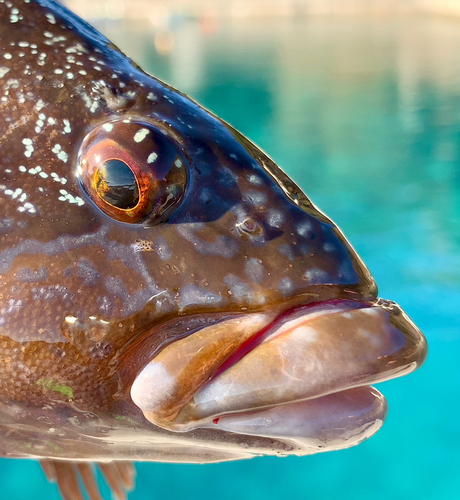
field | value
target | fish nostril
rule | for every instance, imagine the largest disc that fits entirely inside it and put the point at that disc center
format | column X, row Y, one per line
column 249, row 227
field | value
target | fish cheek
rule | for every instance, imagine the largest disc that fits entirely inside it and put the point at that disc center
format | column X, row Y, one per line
column 87, row 280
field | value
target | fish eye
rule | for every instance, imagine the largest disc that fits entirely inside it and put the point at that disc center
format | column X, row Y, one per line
column 132, row 171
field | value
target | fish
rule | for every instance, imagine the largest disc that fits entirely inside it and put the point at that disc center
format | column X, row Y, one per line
column 168, row 293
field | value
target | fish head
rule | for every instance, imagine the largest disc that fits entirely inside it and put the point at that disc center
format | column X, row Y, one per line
column 168, row 291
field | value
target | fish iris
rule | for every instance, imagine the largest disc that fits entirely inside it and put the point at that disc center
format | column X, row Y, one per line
column 116, row 184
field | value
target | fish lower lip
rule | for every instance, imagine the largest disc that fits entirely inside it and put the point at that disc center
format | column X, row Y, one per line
column 310, row 364
column 327, row 423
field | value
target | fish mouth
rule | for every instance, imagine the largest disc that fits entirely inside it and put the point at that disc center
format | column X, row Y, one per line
column 302, row 376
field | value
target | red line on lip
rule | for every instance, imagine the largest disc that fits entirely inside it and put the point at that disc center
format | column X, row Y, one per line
column 261, row 335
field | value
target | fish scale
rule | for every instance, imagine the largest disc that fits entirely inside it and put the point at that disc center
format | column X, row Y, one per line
column 99, row 303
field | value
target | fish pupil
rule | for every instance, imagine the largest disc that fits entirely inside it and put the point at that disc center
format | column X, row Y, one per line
column 116, row 184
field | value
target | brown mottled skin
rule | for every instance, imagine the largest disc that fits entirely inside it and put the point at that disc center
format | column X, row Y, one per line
column 131, row 288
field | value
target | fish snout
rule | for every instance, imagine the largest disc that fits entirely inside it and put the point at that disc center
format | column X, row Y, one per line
column 302, row 376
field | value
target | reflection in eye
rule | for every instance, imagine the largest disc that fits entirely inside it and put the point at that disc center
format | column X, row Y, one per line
column 116, row 184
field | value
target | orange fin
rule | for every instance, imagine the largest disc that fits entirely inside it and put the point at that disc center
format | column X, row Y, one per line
column 74, row 479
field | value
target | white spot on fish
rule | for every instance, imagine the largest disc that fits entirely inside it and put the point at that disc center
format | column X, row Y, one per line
column 51, row 18
column 108, row 127
column 152, row 157
column 40, row 105
column 256, row 198
column 315, row 276
column 56, row 178
column 304, row 228
column 254, row 179
column 58, row 151
column 76, row 49
column 141, row 134
column 15, row 17
column 28, row 207
column 29, row 148
column 70, row 198
column 275, row 218
column 67, row 128
column 286, row 286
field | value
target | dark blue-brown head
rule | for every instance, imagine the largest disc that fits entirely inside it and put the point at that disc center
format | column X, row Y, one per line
column 206, row 222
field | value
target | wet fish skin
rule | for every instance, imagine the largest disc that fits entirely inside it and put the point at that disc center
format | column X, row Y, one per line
column 86, row 301
column 62, row 257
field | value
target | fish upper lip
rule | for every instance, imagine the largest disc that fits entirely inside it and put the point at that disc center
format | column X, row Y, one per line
column 304, row 310
column 144, row 346
column 400, row 349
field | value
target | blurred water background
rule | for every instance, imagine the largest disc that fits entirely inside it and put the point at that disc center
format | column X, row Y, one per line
column 362, row 108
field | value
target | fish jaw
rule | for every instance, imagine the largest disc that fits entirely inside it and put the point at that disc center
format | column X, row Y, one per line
column 302, row 376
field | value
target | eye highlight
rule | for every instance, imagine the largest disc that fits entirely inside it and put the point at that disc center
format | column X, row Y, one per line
column 133, row 171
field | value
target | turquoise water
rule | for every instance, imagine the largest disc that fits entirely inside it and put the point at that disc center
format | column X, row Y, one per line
column 365, row 115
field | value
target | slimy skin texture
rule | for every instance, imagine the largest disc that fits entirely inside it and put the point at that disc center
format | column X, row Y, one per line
column 90, row 296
